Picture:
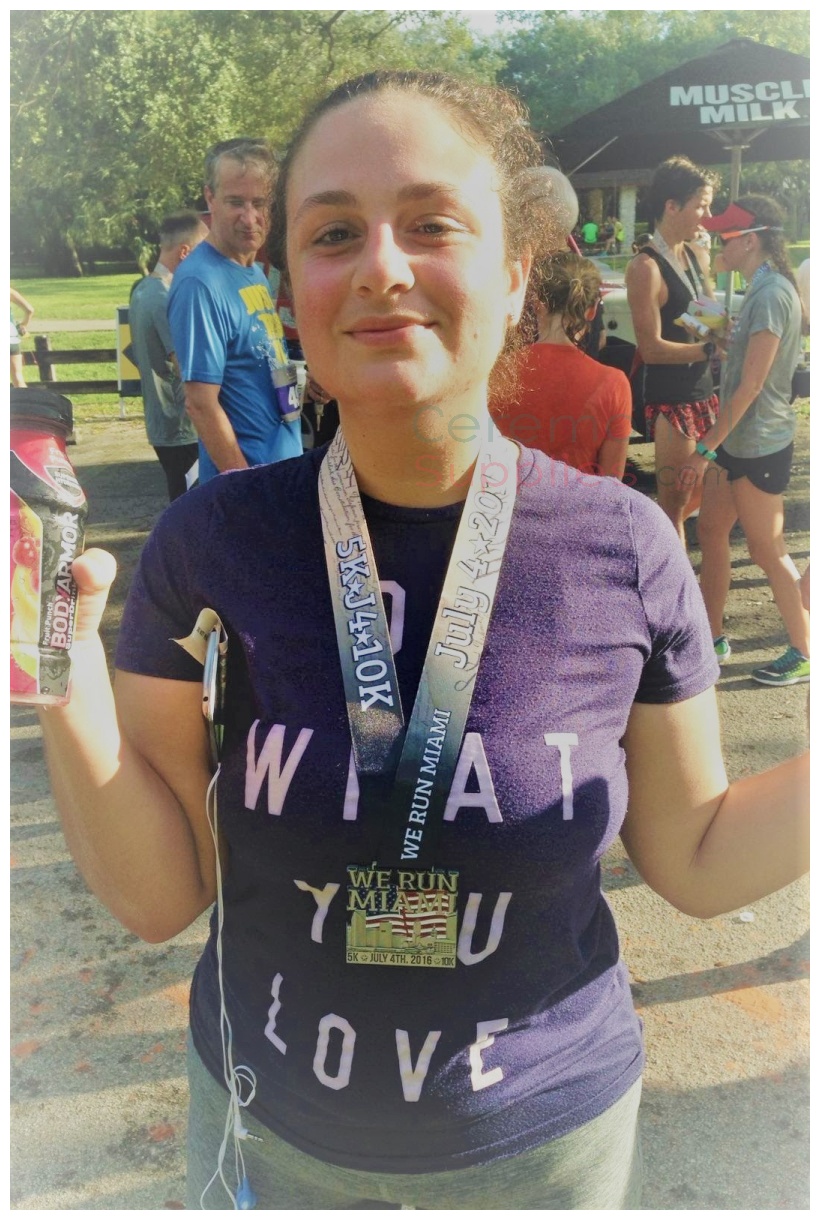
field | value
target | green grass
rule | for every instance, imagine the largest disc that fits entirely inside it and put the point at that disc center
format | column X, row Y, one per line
column 98, row 296
column 75, row 299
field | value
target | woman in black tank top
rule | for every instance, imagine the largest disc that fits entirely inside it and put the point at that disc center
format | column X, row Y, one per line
column 661, row 282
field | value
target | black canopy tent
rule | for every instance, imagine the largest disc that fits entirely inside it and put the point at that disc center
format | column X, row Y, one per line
column 743, row 99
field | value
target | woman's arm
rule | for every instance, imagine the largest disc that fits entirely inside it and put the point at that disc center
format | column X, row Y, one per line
column 705, row 845
column 28, row 309
column 760, row 354
column 130, row 778
column 646, row 293
column 612, row 457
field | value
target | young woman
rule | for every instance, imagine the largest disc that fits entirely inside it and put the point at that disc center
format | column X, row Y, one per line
column 567, row 404
column 412, row 993
column 750, row 447
column 661, row 280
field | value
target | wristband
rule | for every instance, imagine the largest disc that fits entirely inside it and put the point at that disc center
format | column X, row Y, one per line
column 709, row 454
column 709, row 349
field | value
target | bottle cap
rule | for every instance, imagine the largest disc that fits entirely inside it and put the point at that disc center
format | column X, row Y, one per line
column 37, row 404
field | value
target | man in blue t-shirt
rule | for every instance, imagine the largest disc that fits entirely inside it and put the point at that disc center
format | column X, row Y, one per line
column 227, row 334
column 169, row 429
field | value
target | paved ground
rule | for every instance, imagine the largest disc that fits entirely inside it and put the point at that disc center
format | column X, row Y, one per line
column 98, row 1019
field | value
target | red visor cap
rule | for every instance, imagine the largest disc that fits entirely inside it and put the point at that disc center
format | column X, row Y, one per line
column 735, row 217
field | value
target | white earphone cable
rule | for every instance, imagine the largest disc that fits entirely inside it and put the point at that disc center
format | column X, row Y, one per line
column 234, row 1076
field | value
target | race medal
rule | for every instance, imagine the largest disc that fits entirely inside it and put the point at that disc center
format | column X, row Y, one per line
column 401, row 916
column 406, row 914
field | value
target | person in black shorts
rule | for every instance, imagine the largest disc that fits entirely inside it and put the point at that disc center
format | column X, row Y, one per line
column 752, row 443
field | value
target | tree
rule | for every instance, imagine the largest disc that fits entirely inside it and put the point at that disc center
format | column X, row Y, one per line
column 112, row 111
column 565, row 64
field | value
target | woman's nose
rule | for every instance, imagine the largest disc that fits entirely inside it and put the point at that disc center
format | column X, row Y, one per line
column 383, row 265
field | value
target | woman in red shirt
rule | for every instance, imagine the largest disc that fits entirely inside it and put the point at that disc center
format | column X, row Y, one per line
column 567, row 404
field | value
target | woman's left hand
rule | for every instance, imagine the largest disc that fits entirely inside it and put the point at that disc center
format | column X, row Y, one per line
column 694, row 471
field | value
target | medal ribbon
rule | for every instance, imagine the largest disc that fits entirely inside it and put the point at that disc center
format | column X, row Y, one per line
column 432, row 742
column 691, row 278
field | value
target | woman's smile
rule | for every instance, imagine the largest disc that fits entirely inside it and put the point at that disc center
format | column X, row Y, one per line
column 388, row 331
column 396, row 252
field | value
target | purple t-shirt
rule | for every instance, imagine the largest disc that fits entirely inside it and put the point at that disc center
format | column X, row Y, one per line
column 533, row 1032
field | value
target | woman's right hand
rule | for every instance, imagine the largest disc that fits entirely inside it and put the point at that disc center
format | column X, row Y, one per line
column 94, row 572
column 130, row 777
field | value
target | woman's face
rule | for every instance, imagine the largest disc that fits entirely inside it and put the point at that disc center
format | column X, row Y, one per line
column 736, row 251
column 401, row 286
column 692, row 213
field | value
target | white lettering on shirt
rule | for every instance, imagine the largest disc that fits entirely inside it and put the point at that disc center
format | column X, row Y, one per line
column 479, row 1078
column 342, row 1077
column 350, row 810
column 412, row 1078
column 397, row 603
column 323, row 899
column 472, row 757
column 269, row 763
column 272, row 1014
column 565, row 743
column 464, row 952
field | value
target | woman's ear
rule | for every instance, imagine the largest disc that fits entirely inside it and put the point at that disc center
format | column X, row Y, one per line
column 519, row 271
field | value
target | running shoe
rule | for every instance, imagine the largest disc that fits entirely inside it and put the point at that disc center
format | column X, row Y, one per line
column 723, row 649
column 787, row 670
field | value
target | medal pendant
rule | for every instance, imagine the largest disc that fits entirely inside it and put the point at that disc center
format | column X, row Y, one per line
column 401, row 916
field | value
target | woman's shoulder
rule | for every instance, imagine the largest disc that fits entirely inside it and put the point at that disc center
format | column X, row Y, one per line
column 773, row 291
column 593, row 524
column 254, row 494
column 571, row 496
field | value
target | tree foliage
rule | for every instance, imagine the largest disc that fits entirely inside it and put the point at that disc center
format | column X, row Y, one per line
column 565, row 64
column 112, row 111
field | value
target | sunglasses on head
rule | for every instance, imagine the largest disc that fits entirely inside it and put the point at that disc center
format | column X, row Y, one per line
column 725, row 238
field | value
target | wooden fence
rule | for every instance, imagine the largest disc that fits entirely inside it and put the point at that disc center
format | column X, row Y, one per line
column 45, row 360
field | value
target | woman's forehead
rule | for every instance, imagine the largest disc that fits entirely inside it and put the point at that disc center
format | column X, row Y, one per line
column 397, row 131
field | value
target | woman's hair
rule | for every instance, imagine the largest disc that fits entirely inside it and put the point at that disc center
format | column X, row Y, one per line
column 677, row 178
column 492, row 119
column 772, row 240
column 568, row 285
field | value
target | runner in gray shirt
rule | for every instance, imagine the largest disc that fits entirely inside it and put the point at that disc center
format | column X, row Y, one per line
column 745, row 458
column 169, row 429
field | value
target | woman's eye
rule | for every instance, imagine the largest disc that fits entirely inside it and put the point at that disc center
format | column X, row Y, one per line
column 334, row 236
column 435, row 228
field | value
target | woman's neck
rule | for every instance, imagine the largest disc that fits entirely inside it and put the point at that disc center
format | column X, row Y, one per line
column 673, row 241
column 752, row 263
column 551, row 329
column 424, row 460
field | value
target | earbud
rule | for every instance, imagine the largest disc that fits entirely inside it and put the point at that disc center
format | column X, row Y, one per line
column 245, row 1198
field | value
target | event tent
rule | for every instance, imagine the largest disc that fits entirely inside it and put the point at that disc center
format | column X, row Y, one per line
column 744, row 99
